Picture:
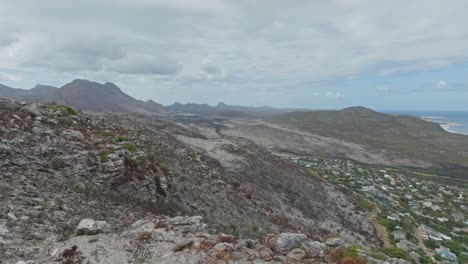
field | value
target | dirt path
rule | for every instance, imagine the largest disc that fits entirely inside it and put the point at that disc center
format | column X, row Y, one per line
column 419, row 236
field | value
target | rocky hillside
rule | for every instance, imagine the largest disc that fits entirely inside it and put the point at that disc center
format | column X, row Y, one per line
column 59, row 166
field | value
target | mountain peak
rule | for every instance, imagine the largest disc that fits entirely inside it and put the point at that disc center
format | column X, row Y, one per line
column 221, row 104
column 357, row 109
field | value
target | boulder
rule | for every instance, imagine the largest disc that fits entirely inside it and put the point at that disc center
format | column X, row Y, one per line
column 296, row 254
column 3, row 230
column 335, row 242
column 12, row 216
column 31, row 109
column 92, row 227
column 284, row 242
column 313, row 249
column 72, row 134
column 396, row 261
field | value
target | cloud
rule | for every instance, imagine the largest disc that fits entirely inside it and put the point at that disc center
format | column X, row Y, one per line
column 145, row 65
column 441, row 85
column 382, row 88
column 165, row 44
column 334, row 95
column 9, row 77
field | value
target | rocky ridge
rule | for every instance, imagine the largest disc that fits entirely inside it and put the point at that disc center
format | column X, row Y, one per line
column 60, row 167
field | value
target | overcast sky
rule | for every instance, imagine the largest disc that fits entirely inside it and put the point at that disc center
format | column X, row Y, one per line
column 317, row 54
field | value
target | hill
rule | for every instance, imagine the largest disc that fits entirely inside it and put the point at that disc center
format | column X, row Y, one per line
column 205, row 109
column 59, row 167
column 406, row 135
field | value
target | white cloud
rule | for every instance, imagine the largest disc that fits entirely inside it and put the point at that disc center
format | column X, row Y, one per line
column 9, row 77
column 440, row 85
column 382, row 88
column 165, row 44
column 334, row 95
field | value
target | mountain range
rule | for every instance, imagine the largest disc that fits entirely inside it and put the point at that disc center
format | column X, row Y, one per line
column 354, row 133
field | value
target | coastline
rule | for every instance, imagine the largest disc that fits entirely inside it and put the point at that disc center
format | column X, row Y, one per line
column 447, row 126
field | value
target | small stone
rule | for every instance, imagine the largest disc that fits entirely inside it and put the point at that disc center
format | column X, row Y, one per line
column 19, row 162
column 37, row 236
column 313, row 248
column 223, row 247
column 334, row 242
column 72, row 134
column 3, row 230
column 296, row 254
column 284, row 242
column 12, row 217
column 86, row 226
column 266, row 255
column 182, row 245
column 55, row 253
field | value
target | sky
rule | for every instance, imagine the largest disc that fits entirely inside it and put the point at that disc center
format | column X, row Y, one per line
column 307, row 54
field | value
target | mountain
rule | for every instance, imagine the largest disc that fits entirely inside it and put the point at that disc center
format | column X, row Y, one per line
column 42, row 90
column 7, row 91
column 96, row 97
column 405, row 135
column 59, row 168
column 85, row 95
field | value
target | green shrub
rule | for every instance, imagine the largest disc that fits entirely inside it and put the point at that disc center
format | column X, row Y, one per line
column 70, row 111
column 57, row 163
column 105, row 154
column 394, row 252
column 130, row 147
column 106, row 133
column 120, row 138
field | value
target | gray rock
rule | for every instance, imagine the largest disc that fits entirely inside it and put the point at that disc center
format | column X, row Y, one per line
column 3, row 230
column 31, row 109
column 285, row 242
column 396, row 261
column 19, row 162
column 92, row 227
column 37, row 130
column 371, row 260
column 335, row 242
column 313, row 248
column 11, row 216
column 296, row 254
column 184, row 220
column 72, row 134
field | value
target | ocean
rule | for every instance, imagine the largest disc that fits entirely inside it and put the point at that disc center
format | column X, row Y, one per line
column 452, row 121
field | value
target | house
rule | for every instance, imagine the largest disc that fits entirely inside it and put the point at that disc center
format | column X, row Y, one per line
column 458, row 216
column 427, row 204
column 399, row 235
column 407, row 245
column 442, row 219
column 446, row 254
column 393, row 217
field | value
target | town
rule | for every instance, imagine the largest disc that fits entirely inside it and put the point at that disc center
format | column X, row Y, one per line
column 423, row 220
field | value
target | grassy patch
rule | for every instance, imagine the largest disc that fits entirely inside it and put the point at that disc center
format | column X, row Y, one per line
column 394, row 252
column 57, row 163
column 314, row 174
column 130, row 147
column 105, row 154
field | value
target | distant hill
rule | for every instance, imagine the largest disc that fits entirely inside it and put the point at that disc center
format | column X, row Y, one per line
column 85, row 95
column 205, row 109
column 407, row 135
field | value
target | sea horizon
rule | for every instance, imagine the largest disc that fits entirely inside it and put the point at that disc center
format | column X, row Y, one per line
column 451, row 121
